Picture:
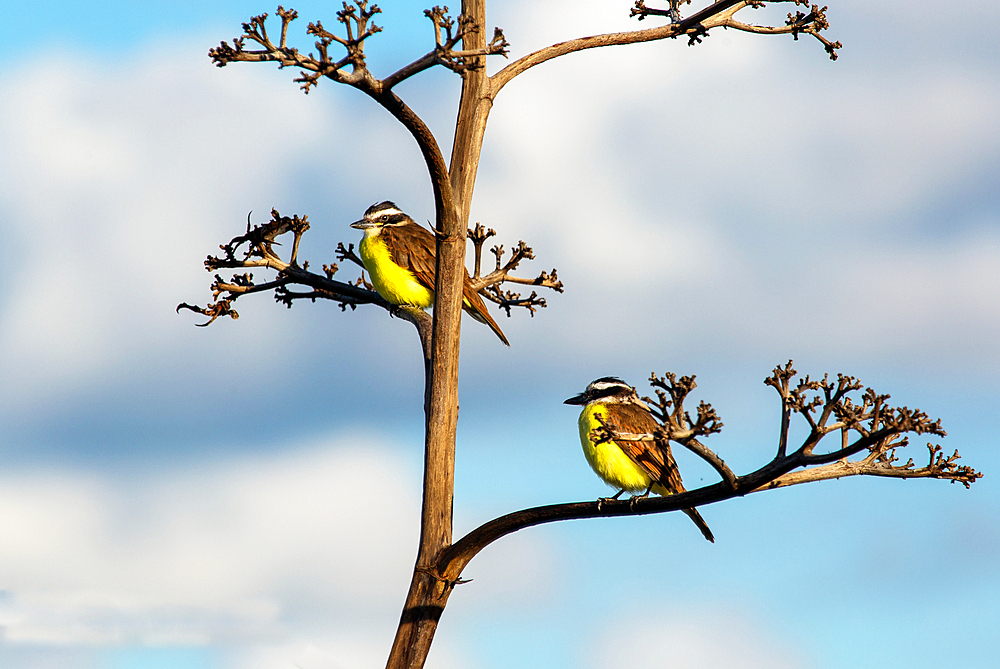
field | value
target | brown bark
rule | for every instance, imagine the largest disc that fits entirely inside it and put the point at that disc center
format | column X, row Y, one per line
column 428, row 594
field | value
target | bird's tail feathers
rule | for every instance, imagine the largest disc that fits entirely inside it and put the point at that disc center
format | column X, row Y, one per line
column 483, row 316
column 700, row 522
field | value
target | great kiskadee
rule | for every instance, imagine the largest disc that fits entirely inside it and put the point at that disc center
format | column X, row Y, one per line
column 399, row 255
column 633, row 466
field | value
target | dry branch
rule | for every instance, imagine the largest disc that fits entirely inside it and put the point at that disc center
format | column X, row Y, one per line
column 696, row 26
column 489, row 285
column 356, row 19
column 828, row 407
column 255, row 249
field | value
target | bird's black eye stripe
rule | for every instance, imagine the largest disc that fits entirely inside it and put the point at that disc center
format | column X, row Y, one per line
column 607, row 392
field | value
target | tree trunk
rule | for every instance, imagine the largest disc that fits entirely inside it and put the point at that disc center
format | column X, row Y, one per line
column 428, row 593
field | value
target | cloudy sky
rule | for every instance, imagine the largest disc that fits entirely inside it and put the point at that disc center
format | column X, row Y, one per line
column 245, row 495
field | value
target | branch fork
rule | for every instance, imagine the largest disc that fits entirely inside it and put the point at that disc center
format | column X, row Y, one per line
column 356, row 18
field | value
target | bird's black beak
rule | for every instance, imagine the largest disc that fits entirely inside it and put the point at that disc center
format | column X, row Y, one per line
column 580, row 399
column 362, row 224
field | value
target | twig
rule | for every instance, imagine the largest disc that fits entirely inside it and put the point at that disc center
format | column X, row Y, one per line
column 489, row 286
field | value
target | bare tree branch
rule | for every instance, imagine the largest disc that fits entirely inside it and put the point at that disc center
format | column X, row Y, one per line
column 810, row 23
column 674, row 13
column 255, row 249
column 358, row 26
column 356, row 18
column 489, row 286
column 880, row 431
column 696, row 26
column 447, row 34
column 214, row 311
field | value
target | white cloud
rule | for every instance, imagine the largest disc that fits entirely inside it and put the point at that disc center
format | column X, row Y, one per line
column 300, row 558
column 245, row 553
column 642, row 178
column 753, row 202
column 728, row 122
column 696, row 639
column 660, row 183
column 121, row 178
column 113, row 196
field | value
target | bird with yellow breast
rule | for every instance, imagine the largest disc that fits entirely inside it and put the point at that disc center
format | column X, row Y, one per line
column 400, row 254
column 632, row 466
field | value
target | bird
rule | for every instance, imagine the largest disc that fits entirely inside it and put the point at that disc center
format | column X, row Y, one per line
column 399, row 255
column 633, row 466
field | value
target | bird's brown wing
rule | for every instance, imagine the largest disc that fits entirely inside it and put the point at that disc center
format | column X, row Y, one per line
column 655, row 459
column 412, row 246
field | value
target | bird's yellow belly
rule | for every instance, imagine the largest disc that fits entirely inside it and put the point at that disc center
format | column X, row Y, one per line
column 394, row 283
column 607, row 460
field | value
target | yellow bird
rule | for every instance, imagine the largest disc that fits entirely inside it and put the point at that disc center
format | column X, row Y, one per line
column 399, row 255
column 633, row 466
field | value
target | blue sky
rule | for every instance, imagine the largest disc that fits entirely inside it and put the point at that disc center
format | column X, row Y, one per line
column 244, row 496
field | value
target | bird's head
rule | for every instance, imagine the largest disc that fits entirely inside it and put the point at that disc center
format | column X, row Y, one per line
column 607, row 389
column 379, row 216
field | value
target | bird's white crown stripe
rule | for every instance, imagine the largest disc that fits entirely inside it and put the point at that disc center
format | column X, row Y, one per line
column 602, row 385
column 380, row 212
